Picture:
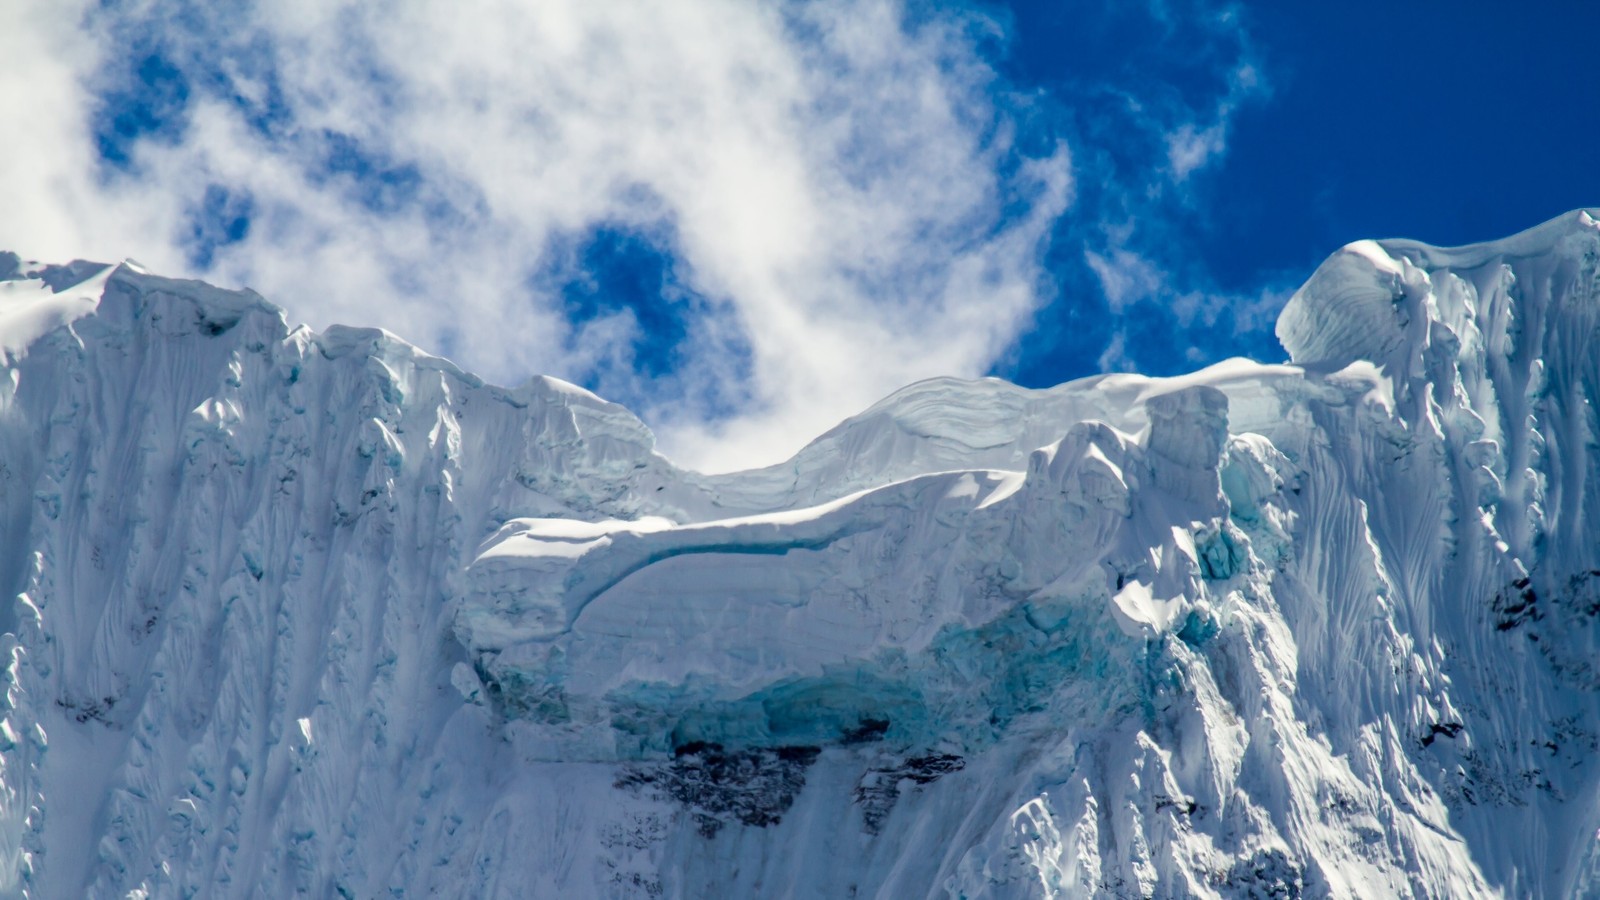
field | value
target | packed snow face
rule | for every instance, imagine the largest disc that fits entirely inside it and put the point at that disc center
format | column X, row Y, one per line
column 320, row 613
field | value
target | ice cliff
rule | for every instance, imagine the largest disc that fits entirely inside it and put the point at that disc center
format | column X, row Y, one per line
column 321, row 614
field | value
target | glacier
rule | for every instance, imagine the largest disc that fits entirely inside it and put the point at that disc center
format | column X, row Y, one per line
column 322, row 614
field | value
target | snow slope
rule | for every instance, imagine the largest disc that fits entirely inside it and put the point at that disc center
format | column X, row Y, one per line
column 320, row 613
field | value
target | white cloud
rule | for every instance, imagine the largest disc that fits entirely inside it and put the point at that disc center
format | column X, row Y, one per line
column 1146, row 201
column 53, row 207
column 1191, row 147
column 835, row 181
column 1115, row 357
column 1125, row 277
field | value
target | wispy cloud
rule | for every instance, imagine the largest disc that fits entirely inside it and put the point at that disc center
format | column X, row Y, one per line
column 1194, row 143
column 1149, row 123
column 823, row 201
column 836, row 183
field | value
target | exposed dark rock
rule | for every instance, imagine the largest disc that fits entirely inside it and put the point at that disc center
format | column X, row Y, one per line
column 1516, row 606
column 1558, row 614
column 89, row 710
column 879, row 789
column 867, row 731
column 716, row 787
column 1268, row 875
column 1184, row 805
column 1448, row 729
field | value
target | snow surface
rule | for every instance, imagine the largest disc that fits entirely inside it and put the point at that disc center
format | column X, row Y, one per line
column 322, row 614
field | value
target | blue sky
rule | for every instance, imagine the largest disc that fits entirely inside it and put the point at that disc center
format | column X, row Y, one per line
column 748, row 220
column 1447, row 122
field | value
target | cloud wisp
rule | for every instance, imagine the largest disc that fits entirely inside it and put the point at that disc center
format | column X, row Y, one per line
column 745, row 221
column 1149, row 104
column 832, row 190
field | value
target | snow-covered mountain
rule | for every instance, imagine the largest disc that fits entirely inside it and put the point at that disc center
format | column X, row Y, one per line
column 321, row 614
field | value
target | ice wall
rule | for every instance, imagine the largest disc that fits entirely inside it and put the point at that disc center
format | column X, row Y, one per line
column 321, row 613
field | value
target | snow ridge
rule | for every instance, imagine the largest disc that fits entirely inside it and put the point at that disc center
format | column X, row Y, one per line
column 322, row 613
